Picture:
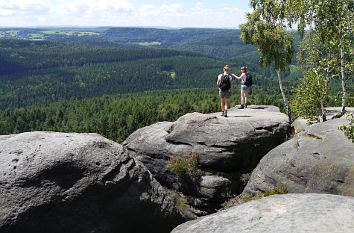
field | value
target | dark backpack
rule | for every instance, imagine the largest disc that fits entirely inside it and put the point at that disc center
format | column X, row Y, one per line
column 225, row 83
column 249, row 80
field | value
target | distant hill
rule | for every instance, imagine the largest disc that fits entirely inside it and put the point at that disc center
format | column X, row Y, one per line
column 221, row 43
column 43, row 65
column 44, row 72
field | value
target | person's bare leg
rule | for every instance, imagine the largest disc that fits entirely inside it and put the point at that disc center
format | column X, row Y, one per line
column 222, row 104
column 242, row 100
column 227, row 106
column 227, row 103
column 245, row 97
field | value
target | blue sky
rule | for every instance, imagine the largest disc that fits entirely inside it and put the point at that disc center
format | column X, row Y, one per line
column 175, row 13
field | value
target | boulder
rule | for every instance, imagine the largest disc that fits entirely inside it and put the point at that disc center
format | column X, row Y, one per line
column 300, row 123
column 66, row 182
column 318, row 160
column 323, row 213
column 334, row 112
column 226, row 147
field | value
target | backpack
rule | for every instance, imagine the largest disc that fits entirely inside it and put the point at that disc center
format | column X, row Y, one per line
column 225, row 83
column 249, row 80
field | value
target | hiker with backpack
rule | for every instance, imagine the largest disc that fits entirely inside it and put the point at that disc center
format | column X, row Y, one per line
column 246, row 83
column 224, row 84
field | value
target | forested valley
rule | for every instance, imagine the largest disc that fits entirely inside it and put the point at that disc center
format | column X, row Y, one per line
column 113, row 81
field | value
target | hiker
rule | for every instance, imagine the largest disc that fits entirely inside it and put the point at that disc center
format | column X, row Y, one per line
column 224, row 84
column 246, row 83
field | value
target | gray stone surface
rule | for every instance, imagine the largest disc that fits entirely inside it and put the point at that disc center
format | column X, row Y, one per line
column 228, row 146
column 300, row 123
column 331, row 112
column 214, row 187
column 59, row 182
column 291, row 213
column 319, row 159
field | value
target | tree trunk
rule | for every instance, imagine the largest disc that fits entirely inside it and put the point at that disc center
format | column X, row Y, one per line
column 285, row 99
column 344, row 92
column 323, row 116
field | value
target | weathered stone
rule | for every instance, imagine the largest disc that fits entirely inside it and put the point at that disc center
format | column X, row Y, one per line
column 300, row 123
column 280, row 213
column 319, row 159
column 214, row 187
column 333, row 112
column 228, row 146
column 59, row 182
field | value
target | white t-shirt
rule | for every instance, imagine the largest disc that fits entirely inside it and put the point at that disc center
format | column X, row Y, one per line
column 243, row 78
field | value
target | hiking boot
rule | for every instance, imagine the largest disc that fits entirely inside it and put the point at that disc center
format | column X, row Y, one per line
column 242, row 107
column 222, row 114
column 225, row 113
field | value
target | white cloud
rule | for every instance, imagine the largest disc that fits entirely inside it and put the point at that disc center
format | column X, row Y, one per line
column 116, row 13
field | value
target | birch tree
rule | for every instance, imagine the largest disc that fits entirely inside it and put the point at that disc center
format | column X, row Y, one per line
column 265, row 28
column 333, row 21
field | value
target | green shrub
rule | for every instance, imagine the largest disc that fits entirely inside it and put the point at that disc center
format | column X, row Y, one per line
column 183, row 166
column 349, row 129
column 308, row 95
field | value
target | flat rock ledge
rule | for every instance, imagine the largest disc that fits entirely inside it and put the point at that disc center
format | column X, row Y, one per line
column 288, row 213
column 331, row 113
column 78, row 183
column 226, row 149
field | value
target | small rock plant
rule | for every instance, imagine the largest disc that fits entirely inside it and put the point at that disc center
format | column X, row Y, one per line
column 246, row 197
column 184, row 166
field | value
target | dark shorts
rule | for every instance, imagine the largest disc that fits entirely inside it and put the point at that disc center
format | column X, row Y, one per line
column 245, row 88
column 224, row 94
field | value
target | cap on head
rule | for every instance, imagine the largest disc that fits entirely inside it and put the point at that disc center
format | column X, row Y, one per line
column 226, row 68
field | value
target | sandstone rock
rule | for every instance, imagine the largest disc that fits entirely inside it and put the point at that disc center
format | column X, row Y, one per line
column 319, row 160
column 59, row 182
column 300, row 123
column 280, row 213
column 332, row 112
column 228, row 146
column 214, row 186
column 210, row 190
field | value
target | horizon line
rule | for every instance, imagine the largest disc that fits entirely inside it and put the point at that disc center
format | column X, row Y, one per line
column 107, row 26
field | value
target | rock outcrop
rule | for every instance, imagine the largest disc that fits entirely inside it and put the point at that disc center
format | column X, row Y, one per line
column 318, row 160
column 226, row 148
column 333, row 112
column 300, row 123
column 280, row 213
column 58, row 182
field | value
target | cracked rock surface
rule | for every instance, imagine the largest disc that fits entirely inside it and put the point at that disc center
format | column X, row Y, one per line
column 289, row 213
column 318, row 160
column 61, row 182
column 226, row 148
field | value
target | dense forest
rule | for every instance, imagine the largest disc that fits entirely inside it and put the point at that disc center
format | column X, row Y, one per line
column 117, row 116
column 48, row 71
column 115, row 80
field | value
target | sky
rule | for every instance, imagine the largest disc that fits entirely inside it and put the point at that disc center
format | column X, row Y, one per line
column 126, row 13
